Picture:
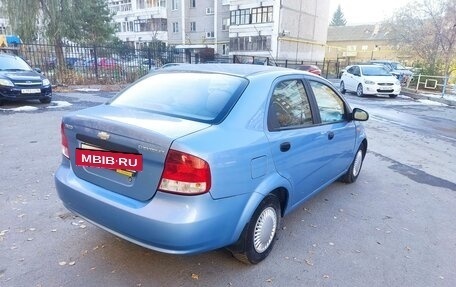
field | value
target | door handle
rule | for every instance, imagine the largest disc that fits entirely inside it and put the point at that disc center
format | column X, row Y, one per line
column 330, row 135
column 285, row 146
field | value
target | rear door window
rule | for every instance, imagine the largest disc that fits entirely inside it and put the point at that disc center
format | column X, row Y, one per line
column 289, row 106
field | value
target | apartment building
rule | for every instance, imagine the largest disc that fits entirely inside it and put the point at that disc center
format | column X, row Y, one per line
column 140, row 21
column 279, row 29
column 199, row 24
column 285, row 29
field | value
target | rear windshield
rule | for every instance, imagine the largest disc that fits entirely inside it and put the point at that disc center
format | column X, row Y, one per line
column 205, row 97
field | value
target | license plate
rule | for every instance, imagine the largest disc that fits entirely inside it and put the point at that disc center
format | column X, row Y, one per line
column 108, row 159
column 31, row 91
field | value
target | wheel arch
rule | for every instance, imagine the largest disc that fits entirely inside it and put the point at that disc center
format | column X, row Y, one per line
column 275, row 185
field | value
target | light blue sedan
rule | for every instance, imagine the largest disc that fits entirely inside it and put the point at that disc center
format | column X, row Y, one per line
column 198, row 157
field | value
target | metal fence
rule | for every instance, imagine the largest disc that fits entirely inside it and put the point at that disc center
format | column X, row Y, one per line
column 72, row 64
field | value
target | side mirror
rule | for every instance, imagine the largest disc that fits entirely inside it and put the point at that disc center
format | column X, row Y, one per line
column 38, row 70
column 359, row 115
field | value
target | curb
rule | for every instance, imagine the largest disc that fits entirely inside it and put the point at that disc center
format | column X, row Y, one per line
column 411, row 93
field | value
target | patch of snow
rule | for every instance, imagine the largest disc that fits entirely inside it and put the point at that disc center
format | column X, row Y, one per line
column 87, row 90
column 59, row 104
column 447, row 96
column 21, row 109
column 431, row 103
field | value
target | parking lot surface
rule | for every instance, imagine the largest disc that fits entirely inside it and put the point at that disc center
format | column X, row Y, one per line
column 393, row 227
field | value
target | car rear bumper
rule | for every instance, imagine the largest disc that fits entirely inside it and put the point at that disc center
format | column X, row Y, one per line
column 15, row 93
column 168, row 223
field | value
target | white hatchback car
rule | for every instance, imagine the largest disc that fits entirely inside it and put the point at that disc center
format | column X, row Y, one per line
column 369, row 80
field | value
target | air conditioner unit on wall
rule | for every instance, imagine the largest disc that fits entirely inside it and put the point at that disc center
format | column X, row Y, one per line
column 209, row 11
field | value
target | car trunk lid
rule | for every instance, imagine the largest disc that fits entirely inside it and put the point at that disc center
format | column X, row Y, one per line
column 116, row 129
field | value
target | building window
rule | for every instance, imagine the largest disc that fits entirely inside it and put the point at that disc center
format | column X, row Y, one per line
column 174, row 5
column 225, row 24
column 364, row 47
column 240, row 17
column 192, row 3
column 175, row 27
column 250, row 43
column 145, row 25
column 351, row 48
column 262, row 14
column 224, row 49
column 117, row 28
column 209, row 11
column 192, row 26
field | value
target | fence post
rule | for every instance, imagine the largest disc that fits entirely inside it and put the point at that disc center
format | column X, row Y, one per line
column 95, row 61
column 286, row 63
column 445, row 82
column 149, row 57
column 418, row 83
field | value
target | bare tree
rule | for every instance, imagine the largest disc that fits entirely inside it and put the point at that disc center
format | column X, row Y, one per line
column 427, row 28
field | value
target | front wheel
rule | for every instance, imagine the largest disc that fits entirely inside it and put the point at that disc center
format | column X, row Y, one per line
column 359, row 90
column 355, row 168
column 260, row 235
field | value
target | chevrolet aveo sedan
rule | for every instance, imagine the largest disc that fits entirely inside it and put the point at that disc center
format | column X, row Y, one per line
column 369, row 80
column 198, row 157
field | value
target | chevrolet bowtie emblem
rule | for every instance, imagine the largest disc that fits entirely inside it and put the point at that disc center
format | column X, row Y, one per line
column 103, row 135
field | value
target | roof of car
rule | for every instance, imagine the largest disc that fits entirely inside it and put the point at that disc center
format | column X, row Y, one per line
column 383, row 61
column 243, row 70
column 368, row 65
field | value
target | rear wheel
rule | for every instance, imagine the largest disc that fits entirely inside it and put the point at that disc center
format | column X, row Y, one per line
column 359, row 90
column 260, row 235
column 342, row 87
column 355, row 168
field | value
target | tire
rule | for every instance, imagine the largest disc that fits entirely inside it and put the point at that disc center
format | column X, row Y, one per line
column 342, row 87
column 260, row 235
column 46, row 100
column 355, row 168
column 359, row 90
column 392, row 96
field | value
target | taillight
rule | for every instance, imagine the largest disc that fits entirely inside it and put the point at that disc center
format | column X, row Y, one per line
column 65, row 150
column 185, row 174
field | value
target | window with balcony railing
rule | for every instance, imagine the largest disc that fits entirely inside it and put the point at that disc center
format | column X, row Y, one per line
column 145, row 4
column 148, row 25
column 250, row 43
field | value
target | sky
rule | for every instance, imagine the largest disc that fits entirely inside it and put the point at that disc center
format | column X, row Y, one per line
column 366, row 11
